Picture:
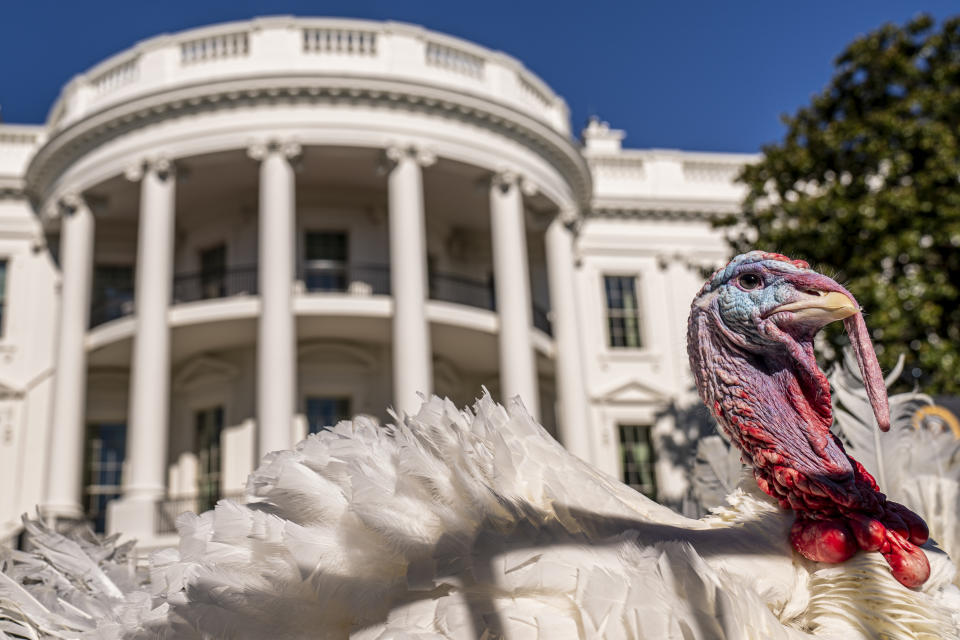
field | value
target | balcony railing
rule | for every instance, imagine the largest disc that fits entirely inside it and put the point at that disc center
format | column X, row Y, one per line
column 472, row 292
column 318, row 276
column 113, row 305
column 168, row 509
column 233, row 281
column 333, row 276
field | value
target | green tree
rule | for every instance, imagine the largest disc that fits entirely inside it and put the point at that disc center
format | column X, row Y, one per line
column 866, row 184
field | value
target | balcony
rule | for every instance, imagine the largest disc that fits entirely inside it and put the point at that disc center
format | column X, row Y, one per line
column 317, row 277
column 235, row 281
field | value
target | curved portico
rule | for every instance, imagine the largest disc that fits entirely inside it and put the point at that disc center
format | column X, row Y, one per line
column 447, row 183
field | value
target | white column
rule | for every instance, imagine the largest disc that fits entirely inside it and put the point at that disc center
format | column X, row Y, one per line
column 276, row 334
column 144, row 478
column 62, row 497
column 574, row 425
column 412, row 356
column 511, row 273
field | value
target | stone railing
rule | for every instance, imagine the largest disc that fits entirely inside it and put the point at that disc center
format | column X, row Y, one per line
column 355, row 42
column 215, row 47
column 712, row 170
column 308, row 47
column 456, row 60
column 117, row 75
column 17, row 145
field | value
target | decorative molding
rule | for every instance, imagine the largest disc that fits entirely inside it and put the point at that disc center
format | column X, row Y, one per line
column 632, row 391
column 204, row 368
column 394, row 152
column 163, row 166
column 644, row 213
column 340, row 353
column 70, row 143
column 70, row 203
column 290, row 149
column 505, row 179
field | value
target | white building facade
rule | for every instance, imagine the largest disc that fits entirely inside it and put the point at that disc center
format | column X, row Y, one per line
column 227, row 238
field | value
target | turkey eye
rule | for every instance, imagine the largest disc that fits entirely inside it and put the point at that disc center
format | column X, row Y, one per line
column 749, row 281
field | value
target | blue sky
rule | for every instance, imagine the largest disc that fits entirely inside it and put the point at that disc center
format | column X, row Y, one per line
column 685, row 74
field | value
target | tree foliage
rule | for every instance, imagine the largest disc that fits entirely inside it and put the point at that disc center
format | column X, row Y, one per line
column 866, row 184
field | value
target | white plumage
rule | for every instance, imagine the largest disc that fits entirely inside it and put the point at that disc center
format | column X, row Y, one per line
column 467, row 524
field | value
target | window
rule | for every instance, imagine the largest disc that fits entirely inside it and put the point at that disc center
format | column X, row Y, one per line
column 325, row 261
column 103, row 470
column 209, row 423
column 637, row 458
column 213, row 272
column 623, row 311
column 112, row 295
column 325, row 411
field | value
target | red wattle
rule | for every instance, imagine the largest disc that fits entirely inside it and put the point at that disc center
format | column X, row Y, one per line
column 823, row 540
column 908, row 563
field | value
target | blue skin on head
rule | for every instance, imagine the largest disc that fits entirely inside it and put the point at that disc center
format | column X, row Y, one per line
column 753, row 284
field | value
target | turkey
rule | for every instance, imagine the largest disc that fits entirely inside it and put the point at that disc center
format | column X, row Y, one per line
column 475, row 523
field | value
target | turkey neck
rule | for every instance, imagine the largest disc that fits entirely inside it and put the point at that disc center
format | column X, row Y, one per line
column 775, row 406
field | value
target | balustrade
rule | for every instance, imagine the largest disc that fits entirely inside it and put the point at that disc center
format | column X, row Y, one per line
column 308, row 45
column 217, row 47
column 318, row 276
column 340, row 41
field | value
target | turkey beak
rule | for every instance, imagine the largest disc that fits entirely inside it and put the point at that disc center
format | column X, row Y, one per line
column 824, row 307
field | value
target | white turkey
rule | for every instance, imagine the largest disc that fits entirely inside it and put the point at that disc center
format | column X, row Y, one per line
column 477, row 524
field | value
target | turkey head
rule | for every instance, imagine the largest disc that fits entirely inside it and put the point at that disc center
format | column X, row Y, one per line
column 750, row 342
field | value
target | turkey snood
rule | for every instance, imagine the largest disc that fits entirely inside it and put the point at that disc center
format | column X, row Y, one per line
column 750, row 342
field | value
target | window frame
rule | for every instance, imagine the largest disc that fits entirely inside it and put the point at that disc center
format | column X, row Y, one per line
column 649, row 466
column 640, row 324
column 334, row 266
column 90, row 489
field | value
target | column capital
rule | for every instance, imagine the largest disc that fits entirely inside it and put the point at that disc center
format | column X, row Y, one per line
column 162, row 166
column 65, row 204
column 259, row 150
column 570, row 218
column 394, row 152
column 505, row 179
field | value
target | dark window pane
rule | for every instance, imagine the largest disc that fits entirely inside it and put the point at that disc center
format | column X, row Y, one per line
column 112, row 295
column 213, row 271
column 623, row 311
column 326, row 245
column 209, row 425
column 103, row 469
column 325, row 261
column 637, row 458
column 326, row 411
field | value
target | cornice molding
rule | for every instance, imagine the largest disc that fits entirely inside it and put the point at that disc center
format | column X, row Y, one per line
column 66, row 146
column 653, row 213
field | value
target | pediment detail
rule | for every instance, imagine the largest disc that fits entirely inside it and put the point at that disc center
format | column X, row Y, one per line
column 633, row 391
column 9, row 391
column 204, row 369
column 338, row 354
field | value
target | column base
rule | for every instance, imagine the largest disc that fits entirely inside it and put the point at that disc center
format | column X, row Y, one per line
column 52, row 512
column 134, row 517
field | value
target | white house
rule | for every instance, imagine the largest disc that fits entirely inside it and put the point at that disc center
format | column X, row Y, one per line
column 225, row 238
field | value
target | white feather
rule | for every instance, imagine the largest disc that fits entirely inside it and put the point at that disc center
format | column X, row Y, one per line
column 477, row 524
